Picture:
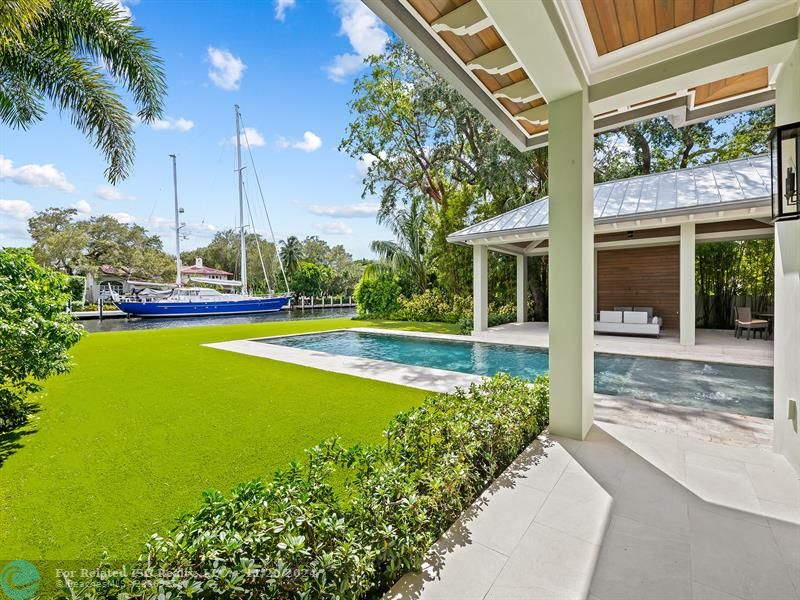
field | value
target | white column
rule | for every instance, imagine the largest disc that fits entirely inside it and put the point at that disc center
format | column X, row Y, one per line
column 687, row 284
column 522, row 289
column 480, row 288
column 571, row 266
column 786, row 370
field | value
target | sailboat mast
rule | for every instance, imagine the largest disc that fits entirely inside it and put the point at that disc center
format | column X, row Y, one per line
column 177, row 221
column 241, row 202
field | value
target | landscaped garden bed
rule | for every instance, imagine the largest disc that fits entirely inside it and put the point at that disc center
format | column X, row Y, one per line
column 348, row 520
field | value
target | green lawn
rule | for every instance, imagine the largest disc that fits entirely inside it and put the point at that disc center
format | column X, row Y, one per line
column 147, row 420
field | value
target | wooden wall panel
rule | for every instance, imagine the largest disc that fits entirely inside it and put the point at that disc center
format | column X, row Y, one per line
column 641, row 277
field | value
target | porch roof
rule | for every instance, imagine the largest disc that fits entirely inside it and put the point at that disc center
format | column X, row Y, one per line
column 741, row 183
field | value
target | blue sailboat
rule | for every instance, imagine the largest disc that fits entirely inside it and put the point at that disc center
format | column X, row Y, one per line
column 179, row 301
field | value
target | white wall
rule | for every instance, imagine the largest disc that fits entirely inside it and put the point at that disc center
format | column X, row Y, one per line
column 787, row 284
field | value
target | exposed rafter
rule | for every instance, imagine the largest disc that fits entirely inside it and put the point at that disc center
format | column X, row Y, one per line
column 537, row 115
column 496, row 62
column 523, row 91
column 467, row 19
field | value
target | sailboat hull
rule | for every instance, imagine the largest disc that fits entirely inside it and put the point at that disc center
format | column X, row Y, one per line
column 203, row 308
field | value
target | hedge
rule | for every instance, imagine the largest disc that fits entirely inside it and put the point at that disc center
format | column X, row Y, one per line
column 349, row 521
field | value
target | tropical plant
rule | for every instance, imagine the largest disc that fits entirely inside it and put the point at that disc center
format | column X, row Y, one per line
column 291, row 254
column 35, row 331
column 349, row 521
column 405, row 255
column 377, row 296
column 73, row 53
column 307, row 279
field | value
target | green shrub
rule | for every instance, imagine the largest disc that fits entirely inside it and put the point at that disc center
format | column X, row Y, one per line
column 377, row 296
column 351, row 520
column 35, row 331
column 434, row 305
column 498, row 315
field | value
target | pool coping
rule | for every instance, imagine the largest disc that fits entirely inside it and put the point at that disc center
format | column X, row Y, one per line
column 716, row 426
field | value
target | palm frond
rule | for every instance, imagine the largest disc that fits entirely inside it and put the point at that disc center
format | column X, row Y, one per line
column 75, row 85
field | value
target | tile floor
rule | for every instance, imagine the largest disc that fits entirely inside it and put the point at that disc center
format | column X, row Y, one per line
column 627, row 514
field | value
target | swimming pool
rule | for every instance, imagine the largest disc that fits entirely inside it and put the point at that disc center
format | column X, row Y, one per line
column 729, row 388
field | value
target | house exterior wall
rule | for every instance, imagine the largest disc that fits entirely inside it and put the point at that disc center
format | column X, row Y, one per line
column 648, row 276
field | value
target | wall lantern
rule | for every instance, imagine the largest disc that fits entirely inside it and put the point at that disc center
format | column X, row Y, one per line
column 784, row 142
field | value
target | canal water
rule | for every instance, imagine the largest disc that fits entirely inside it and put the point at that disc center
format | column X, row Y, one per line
column 122, row 324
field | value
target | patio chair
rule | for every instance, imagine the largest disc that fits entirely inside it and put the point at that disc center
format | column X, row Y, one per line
column 745, row 320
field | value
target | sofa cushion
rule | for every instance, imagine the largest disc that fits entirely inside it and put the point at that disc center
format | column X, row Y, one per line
column 647, row 309
column 630, row 316
column 610, row 316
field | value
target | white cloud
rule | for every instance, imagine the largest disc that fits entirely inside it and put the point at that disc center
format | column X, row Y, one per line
column 123, row 217
column 249, row 136
column 366, row 35
column 16, row 210
column 83, row 208
column 108, row 192
column 348, row 211
column 281, row 6
column 311, row 142
column 35, row 175
column 14, row 215
column 226, row 70
column 334, row 228
column 179, row 124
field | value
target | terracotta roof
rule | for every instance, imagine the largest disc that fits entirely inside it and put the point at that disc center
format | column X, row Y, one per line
column 112, row 270
column 195, row 270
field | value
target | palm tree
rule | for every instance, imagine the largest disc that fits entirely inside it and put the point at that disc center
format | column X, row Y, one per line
column 291, row 254
column 405, row 254
column 73, row 53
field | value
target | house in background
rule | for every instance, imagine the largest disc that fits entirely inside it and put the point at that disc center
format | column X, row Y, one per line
column 198, row 269
column 107, row 277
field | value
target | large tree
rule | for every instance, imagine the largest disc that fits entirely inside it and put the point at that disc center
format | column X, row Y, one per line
column 73, row 54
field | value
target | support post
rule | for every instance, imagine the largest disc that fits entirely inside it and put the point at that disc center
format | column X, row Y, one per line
column 787, row 286
column 522, row 289
column 571, row 266
column 687, row 284
column 480, row 288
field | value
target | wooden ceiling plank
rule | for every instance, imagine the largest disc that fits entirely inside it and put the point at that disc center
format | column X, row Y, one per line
column 703, row 8
column 626, row 17
column 722, row 5
column 646, row 18
column 594, row 27
column 609, row 24
column 665, row 16
column 684, row 12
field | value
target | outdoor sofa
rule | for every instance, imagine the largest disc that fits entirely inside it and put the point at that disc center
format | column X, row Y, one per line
column 629, row 320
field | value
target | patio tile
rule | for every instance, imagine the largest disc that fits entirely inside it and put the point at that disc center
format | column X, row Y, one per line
column 776, row 483
column 787, row 536
column 551, row 560
column 466, row 573
column 703, row 592
column 650, row 497
column 499, row 592
column 578, row 505
column 639, row 562
column 721, row 482
column 789, row 513
column 540, row 466
column 737, row 556
column 502, row 514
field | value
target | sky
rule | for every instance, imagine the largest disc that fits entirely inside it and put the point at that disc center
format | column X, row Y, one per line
column 289, row 64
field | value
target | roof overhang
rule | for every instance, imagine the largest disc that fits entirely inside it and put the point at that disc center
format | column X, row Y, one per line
column 704, row 67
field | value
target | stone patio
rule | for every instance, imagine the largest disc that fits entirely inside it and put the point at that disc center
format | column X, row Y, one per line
column 625, row 514
column 712, row 345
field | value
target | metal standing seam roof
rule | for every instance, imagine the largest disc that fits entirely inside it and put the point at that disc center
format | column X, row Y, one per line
column 696, row 189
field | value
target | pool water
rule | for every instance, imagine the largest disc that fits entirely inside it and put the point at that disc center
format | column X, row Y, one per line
column 729, row 388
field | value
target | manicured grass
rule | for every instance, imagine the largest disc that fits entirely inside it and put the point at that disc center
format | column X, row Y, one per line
column 147, row 420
